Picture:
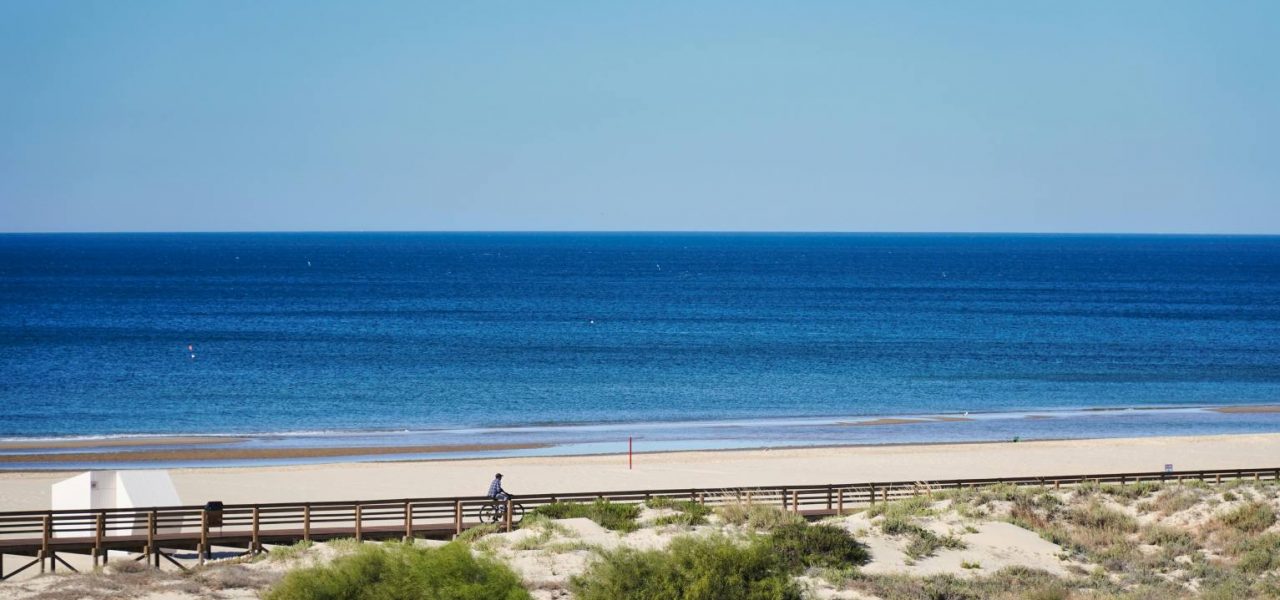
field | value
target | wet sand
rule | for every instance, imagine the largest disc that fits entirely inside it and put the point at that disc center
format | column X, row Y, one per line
column 885, row 422
column 1247, row 409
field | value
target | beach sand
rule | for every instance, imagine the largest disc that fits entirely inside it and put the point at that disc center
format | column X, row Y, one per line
column 721, row 469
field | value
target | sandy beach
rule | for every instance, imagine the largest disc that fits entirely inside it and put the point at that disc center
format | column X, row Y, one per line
column 729, row 469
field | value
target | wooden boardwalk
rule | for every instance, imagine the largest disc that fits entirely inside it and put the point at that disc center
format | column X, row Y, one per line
column 155, row 534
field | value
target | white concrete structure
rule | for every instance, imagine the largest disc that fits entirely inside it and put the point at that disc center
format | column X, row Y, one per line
column 114, row 489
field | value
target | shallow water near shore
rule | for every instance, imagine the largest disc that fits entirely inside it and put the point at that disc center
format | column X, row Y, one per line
column 574, row 342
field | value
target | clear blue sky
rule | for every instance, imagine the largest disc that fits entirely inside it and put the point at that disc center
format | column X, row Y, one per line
column 1125, row 116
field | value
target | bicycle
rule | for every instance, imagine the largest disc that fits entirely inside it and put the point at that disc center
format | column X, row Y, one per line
column 494, row 512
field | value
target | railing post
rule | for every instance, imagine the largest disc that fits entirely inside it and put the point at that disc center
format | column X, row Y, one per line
column 784, row 499
column 840, row 502
column 154, row 555
column 359, row 525
column 873, row 493
column 46, row 538
column 795, row 501
column 99, row 531
column 457, row 517
column 256, row 543
column 203, row 548
column 408, row 521
column 506, row 518
column 306, row 522
column 828, row 496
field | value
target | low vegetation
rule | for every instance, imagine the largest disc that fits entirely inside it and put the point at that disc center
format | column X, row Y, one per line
column 1253, row 517
column 800, row 546
column 757, row 517
column 1007, row 584
column 711, row 568
column 610, row 515
column 403, row 572
column 686, row 512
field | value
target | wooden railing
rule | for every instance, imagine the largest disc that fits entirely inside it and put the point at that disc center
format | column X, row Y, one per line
column 158, row 532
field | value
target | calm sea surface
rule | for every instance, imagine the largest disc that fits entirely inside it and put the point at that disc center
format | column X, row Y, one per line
column 347, row 333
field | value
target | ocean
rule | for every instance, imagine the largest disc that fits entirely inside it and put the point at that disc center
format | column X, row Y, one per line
column 576, row 341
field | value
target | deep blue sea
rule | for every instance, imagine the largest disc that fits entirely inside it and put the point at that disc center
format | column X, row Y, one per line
column 594, row 336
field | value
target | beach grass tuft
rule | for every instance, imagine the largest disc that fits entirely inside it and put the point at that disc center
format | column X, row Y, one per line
column 406, row 572
column 610, row 515
column 757, row 517
column 1253, row 517
column 692, row 568
column 802, row 546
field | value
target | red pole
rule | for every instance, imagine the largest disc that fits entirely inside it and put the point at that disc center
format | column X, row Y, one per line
column 628, row 453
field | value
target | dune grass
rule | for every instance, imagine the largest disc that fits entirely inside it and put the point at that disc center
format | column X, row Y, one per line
column 403, row 572
column 801, row 546
column 709, row 568
column 1253, row 517
column 610, row 515
column 758, row 517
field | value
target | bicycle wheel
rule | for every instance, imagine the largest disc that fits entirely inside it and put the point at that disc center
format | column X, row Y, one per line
column 489, row 513
column 517, row 513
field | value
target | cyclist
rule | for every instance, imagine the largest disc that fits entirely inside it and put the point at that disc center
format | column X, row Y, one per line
column 495, row 489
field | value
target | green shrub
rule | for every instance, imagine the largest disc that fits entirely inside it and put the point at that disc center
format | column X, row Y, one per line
column 471, row 535
column 1258, row 554
column 1098, row 517
column 1175, row 500
column 403, row 572
column 687, row 513
column 661, row 502
column 610, row 515
column 1174, row 542
column 1009, row 583
column 288, row 553
column 801, row 546
column 760, row 517
column 713, row 568
column 1253, row 517
column 1132, row 491
column 925, row 543
column 914, row 506
column 898, row 525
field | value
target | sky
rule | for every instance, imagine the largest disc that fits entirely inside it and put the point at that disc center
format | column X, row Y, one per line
column 230, row 115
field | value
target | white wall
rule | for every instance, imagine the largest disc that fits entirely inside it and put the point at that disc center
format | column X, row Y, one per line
column 93, row 490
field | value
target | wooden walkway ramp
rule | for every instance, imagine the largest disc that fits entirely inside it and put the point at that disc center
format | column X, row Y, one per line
column 158, row 533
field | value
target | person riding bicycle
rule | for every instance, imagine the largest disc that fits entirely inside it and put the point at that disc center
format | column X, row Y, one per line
column 495, row 489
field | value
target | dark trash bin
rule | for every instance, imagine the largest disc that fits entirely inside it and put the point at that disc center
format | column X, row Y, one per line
column 213, row 513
